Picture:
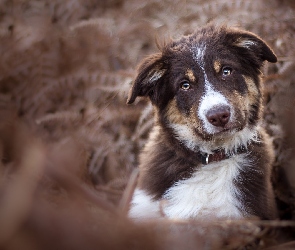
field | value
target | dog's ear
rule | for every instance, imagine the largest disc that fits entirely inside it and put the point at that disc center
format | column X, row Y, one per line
column 150, row 71
column 254, row 44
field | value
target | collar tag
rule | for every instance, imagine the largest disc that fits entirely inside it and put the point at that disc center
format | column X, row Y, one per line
column 215, row 157
column 205, row 159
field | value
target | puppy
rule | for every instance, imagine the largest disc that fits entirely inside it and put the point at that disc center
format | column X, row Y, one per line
column 208, row 155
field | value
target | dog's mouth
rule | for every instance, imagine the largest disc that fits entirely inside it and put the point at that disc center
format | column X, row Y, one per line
column 225, row 131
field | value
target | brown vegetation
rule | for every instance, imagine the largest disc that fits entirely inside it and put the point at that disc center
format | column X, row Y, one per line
column 69, row 144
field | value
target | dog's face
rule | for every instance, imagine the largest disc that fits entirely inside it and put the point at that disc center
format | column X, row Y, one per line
column 207, row 84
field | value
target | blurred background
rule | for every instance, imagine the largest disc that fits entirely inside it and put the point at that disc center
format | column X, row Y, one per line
column 69, row 144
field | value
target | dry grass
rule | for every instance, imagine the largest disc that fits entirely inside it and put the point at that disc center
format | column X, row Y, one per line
column 69, row 144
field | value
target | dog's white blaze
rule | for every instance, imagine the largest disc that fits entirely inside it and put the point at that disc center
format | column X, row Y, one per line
column 143, row 207
column 211, row 99
column 210, row 192
column 198, row 52
column 198, row 55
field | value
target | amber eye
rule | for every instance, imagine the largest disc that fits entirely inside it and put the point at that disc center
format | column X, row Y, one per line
column 226, row 71
column 185, row 85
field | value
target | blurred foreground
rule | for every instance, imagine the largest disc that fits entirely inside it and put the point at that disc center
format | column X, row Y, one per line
column 68, row 142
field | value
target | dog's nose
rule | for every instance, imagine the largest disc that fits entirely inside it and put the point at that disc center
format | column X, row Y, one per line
column 218, row 116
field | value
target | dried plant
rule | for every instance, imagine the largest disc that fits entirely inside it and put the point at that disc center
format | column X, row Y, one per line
column 69, row 144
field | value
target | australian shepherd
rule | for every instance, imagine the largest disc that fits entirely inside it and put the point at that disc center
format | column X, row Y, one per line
column 208, row 155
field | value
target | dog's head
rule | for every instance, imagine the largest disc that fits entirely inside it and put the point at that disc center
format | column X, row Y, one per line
column 206, row 84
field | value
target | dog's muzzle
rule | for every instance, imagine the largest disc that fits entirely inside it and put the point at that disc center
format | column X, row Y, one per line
column 219, row 116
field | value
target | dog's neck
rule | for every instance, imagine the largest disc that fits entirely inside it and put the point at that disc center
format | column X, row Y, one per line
column 219, row 155
column 230, row 143
column 209, row 152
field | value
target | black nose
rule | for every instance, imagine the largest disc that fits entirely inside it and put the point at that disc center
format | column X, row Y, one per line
column 219, row 115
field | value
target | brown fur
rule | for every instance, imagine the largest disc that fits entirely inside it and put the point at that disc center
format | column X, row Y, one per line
column 166, row 158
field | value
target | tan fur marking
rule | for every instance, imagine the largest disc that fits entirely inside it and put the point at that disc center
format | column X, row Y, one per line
column 190, row 74
column 193, row 119
column 239, row 101
column 173, row 114
column 217, row 66
column 253, row 91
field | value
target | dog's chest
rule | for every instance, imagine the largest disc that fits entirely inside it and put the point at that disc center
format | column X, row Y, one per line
column 209, row 192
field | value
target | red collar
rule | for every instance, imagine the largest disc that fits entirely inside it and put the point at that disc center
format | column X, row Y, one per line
column 219, row 155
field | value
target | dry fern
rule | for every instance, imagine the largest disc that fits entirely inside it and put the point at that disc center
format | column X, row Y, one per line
column 69, row 144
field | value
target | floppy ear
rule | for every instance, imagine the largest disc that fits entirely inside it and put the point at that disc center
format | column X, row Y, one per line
column 149, row 73
column 255, row 45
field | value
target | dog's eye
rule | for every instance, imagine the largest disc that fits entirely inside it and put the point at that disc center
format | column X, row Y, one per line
column 185, row 85
column 226, row 71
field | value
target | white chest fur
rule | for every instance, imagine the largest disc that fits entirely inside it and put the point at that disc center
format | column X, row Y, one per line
column 210, row 192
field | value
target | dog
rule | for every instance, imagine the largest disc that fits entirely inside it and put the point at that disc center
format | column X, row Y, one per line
column 208, row 155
